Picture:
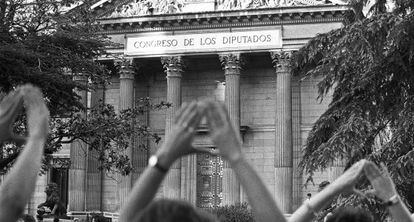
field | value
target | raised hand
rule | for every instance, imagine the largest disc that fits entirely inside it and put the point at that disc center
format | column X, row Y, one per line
column 19, row 183
column 36, row 110
column 222, row 132
column 346, row 182
column 384, row 187
column 9, row 109
column 178, row 142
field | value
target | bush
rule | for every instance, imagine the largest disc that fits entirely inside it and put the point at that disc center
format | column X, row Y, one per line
column 96, row 217
column 233, row 213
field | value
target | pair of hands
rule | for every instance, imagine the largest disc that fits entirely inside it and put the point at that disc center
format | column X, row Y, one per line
column 222, row 132
column 36, row 111
column 383, row 186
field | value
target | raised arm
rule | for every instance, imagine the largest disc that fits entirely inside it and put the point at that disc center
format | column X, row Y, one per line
column 229, row 143
column 177, row 144
column 384, row 189
column 345, row 183
column 20, row 182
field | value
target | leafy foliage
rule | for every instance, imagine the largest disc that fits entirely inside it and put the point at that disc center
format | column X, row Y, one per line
column 233, row 213
column 39, row 43
column 46, row 43
column 109, row 133
column 368, row 64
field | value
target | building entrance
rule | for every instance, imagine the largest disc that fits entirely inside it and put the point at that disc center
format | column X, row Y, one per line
column 209, row 180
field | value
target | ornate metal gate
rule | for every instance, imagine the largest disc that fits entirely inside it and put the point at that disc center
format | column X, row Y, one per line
column 209, row 180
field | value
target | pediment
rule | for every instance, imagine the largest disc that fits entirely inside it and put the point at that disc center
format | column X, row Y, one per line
column 133, row 8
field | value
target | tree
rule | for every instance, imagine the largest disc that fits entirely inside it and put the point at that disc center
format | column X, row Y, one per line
column 368, row 64
column 108, row 133
column 40, row 41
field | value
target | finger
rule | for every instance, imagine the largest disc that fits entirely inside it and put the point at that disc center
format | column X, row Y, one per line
column 384, row 169
column 359, row 167
column 10, row 106
column 210, row 113
column 194, row 119
column 202, row 107
column 358, row 193
column 191, row 108
column 371, row 171
column 371, row 193
column 179, row 112
column 218, row 115
column 222, row 112
column 10, row 98
column 16, row 109
column 32, row 95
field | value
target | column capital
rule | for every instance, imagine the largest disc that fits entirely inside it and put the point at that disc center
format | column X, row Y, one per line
column 126, row 75
column 231, row 63
column 173, row 65
column 281, row 60
column 126, row 67
column 79, row 77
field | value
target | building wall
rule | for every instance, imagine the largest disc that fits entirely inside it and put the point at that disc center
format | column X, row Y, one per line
column 258, row 88
column 110, row 200
column 311, row 109
column 38, row 196
column 201, row 80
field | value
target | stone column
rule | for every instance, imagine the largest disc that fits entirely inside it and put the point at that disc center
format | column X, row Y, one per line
column 231, row 64
column 189, row 178
column 78, row 158
column 173, row 67
column 283, row 131
column 94, row 175
column 140, row 150
column 126, row 101
column 297, row 145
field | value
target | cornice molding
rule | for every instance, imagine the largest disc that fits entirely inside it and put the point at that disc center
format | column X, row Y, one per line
column 108, row 7
column 225, row 19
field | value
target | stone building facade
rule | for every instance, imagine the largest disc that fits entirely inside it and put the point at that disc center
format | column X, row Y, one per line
column 232, row 51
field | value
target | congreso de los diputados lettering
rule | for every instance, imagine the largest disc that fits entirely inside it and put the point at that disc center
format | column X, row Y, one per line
column 235, row 51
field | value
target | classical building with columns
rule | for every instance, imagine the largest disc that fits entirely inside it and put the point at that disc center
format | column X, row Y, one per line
column 232, row 51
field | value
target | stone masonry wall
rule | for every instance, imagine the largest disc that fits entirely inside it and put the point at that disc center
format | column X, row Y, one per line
column 258, row 81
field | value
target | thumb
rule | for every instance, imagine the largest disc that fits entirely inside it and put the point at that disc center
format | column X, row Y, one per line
column 359, row 193
column 371, row 192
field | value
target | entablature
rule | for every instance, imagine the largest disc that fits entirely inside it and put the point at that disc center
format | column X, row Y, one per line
column 225, row 19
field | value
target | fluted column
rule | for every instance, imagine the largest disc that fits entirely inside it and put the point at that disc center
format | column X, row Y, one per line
column 231, row 64
column 78, row 158
column 94, row 175
column 126, row 101
column 140, row 150
column 189, row 178
column 283, row 131
column 173, row 67
column 297, row 145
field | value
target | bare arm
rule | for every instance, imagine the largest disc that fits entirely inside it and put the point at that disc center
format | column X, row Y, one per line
column 384, row 189
column 400, row 212
column 344, row 183
column 229, row 144
column 263, row 205
column 144, row 189
column 20, row 181
column 177, row 144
